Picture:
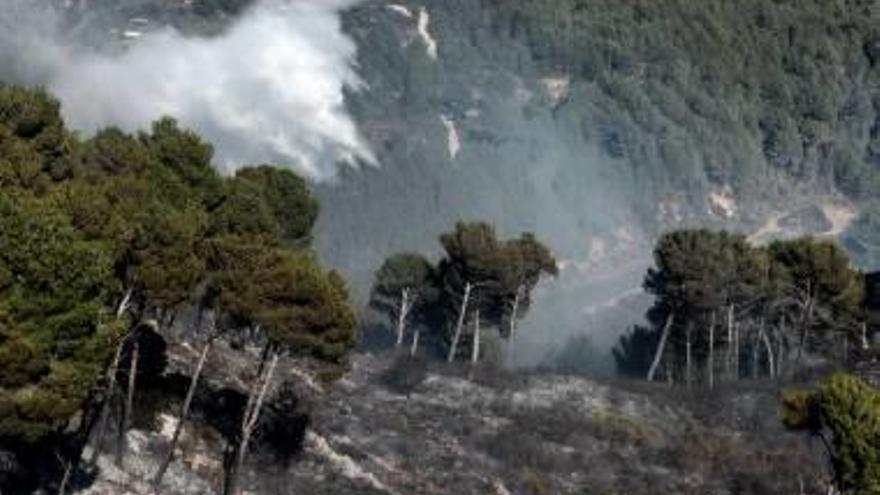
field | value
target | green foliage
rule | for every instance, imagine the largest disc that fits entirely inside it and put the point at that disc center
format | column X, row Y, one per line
column 53, row 340
column 302, row 308
column 185, row 154
column 287, row 197
column 35, row 117
column 113, row 152
column 848, row 410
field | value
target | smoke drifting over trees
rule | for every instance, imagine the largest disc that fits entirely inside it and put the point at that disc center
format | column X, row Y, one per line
column 268, row 89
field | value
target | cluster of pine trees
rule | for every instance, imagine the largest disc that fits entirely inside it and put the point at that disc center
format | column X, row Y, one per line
column 104, row 242
column 725, row 309
column 482, row 282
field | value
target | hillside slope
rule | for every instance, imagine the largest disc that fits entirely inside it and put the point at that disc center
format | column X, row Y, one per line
column 401, row 427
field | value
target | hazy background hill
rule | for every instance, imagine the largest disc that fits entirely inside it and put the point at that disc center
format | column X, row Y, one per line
column 598, row 124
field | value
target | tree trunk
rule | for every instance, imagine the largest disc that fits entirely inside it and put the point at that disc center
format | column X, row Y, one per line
column 712, row 352
column 249, row 422
column 754, row 345
column 105, row 407
column 184, row 413
column 768, row 347
column 124, row 303
column 65, row 479
column 401, row 317
column 125, row 424
column 728, row 357
column 736, row 353
column 805, row 323
column 687, row 369
column 514, row 316
column 781, row 351
column 415, row 343
column 111, row 381
column 661, row 346
column 475, row 352
column 865, row 345
column 458, row 327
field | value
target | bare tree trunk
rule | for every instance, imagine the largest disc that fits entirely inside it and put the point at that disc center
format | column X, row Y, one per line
column 687, row 369
column 65, row 480
column 124, row 303
column 415, row 343
column 475, row 352
column 754, row 339
column 805, row 323
column 184, row 413
column 105, row 407
column 458, row 327
column 249, row 422
column 768, row 347
column 865, row 345
column 514, row 315
column 661, row 346
column 728, row 360
column 111, row 381
column 736, row 353
column 125, row 424
column 712, row 352
column 401, row 317
column 781, row 351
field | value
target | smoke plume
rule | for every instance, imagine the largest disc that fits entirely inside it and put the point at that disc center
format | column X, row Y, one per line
column 270, row 89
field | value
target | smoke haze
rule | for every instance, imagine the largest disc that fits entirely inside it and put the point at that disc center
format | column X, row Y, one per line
column 270, row 89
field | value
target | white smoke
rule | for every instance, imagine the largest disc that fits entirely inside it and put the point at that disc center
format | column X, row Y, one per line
column 270, row 89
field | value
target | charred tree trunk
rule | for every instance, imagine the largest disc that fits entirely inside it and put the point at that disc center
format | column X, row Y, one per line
column 453, row 348
column 184, row 413
column 667, row 327
column 249, row 422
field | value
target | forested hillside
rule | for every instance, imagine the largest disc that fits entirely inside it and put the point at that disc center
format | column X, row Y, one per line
column 610, row 121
